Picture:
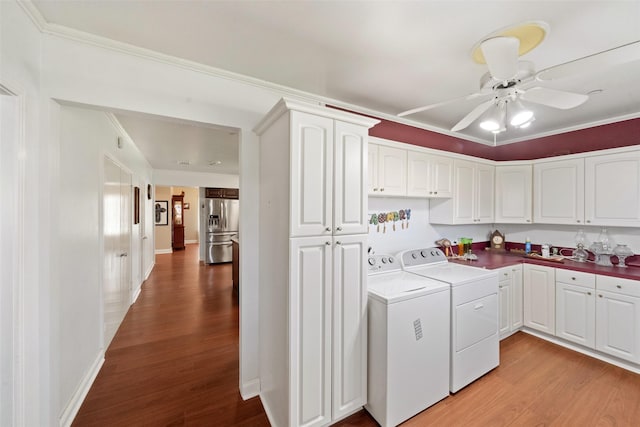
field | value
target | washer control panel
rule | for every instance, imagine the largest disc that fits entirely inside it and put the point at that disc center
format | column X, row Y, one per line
column 382, row 263
column 424, row 256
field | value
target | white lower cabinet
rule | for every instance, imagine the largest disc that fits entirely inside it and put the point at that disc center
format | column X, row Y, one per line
column 618, row 318
column 576, row 307
column 510, row 300
column 540, row 298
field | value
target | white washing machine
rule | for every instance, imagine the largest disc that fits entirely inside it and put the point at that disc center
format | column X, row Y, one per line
column 475, row 346
column 408, row 366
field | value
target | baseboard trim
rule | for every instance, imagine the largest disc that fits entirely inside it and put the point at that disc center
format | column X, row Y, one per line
column 250, row 389
column 190, row 242
column 149, row 270
column 629, row 366
column 163, row 251
column 136, row 294
column 71, row 410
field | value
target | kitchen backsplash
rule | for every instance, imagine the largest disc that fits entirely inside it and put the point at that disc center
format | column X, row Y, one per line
column 420, row 233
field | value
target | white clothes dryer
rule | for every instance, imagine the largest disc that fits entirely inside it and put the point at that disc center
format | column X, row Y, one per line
column 475, row 348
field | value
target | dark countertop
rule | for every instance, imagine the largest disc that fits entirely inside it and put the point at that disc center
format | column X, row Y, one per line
column 494, row 260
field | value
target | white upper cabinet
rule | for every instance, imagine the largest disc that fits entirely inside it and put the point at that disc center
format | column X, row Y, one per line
column 612, row 189
column 328, row 176
column 428, row 175
column 558, row 192
column 350, row 178
column 473, row 196
column 311, row 175
column 390, row 177
column 514, row 192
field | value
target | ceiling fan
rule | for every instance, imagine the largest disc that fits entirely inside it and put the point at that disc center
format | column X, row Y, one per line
column 509, row 81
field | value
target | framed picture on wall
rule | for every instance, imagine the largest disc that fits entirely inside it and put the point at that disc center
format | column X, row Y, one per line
column 161, row 212
column 136, row 205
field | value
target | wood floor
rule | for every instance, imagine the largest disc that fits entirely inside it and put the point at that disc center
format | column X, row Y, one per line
column 174, row 362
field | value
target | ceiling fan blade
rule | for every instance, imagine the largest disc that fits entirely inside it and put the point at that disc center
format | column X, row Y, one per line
column 618, row 55
column 501, row 55
column 439, row 104
column 473, row 115
column 554, row 98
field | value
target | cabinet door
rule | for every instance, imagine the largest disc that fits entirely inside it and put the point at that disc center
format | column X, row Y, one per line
column 441, row 175
column 484, row 192
column 504, row 303
column 464, row 197
column 612, row 189
column 576, row 314
column 311, row 175
column 310, row 300
column 514, row 194
column 349, row 324
column 558, row 192
column 392, row 171
column 516, row 298
column 418, row 175
column 539, row 298
column 618, row 325
column 372, row 170
column 350, row 175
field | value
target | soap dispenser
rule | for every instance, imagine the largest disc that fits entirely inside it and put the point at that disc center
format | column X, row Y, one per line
column 527, row 246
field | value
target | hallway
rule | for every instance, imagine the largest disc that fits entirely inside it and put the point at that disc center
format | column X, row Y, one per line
column 174, row 359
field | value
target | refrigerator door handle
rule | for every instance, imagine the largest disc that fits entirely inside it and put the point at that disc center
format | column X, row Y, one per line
column 227, row 243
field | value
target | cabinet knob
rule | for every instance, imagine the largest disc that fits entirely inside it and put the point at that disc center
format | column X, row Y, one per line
column 382, row 189
column 577, row 220
column 619, row 286
column 573, row 278
column 338, row 242
column 600, row 295
column 327, row 229
column 435, row 192
column 339, row 228
column 327, row 243
column 528, row 220
column 588, row 221
column 375, row 189
column 430, row 192
column 588, row 293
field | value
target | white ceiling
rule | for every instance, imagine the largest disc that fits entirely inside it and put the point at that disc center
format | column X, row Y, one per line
column 170, row 143
column 381, row 56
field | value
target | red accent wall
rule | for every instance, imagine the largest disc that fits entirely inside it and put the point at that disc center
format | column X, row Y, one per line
column 620, row 134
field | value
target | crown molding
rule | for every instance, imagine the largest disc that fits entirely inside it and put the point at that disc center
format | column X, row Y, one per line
column 34, row 14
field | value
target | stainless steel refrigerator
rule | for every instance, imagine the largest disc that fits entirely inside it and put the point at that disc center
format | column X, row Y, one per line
column 221, row 216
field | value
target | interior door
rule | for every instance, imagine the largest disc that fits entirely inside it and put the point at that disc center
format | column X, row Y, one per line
column 117, row 239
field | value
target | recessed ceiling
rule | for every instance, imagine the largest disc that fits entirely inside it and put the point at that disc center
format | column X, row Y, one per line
column 383, row 57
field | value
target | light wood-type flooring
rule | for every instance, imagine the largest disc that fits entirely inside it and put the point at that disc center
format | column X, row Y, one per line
column 174, row 362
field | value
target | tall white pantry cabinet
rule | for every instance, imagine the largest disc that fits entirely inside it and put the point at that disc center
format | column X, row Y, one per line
column 313, row 248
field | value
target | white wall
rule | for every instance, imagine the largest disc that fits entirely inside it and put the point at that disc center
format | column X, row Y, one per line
column 20, row 71
column 86, row 136
column 420, row 232
column 170, row 178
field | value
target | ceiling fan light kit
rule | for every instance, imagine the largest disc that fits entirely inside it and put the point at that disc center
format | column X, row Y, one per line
column 510, row 80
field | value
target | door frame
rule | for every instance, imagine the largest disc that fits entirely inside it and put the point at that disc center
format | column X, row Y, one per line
column 15, row 269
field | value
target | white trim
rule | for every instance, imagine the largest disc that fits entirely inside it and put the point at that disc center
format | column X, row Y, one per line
column 190, row 242
column 149, row 270
column 587, row 351
column 250, row 389
column 71, row 410
column 163, row 251
column 17, row 356
column 136, row 294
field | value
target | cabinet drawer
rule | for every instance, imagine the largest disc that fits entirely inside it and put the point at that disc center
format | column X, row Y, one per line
column 619, row 286
column 576, row 278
